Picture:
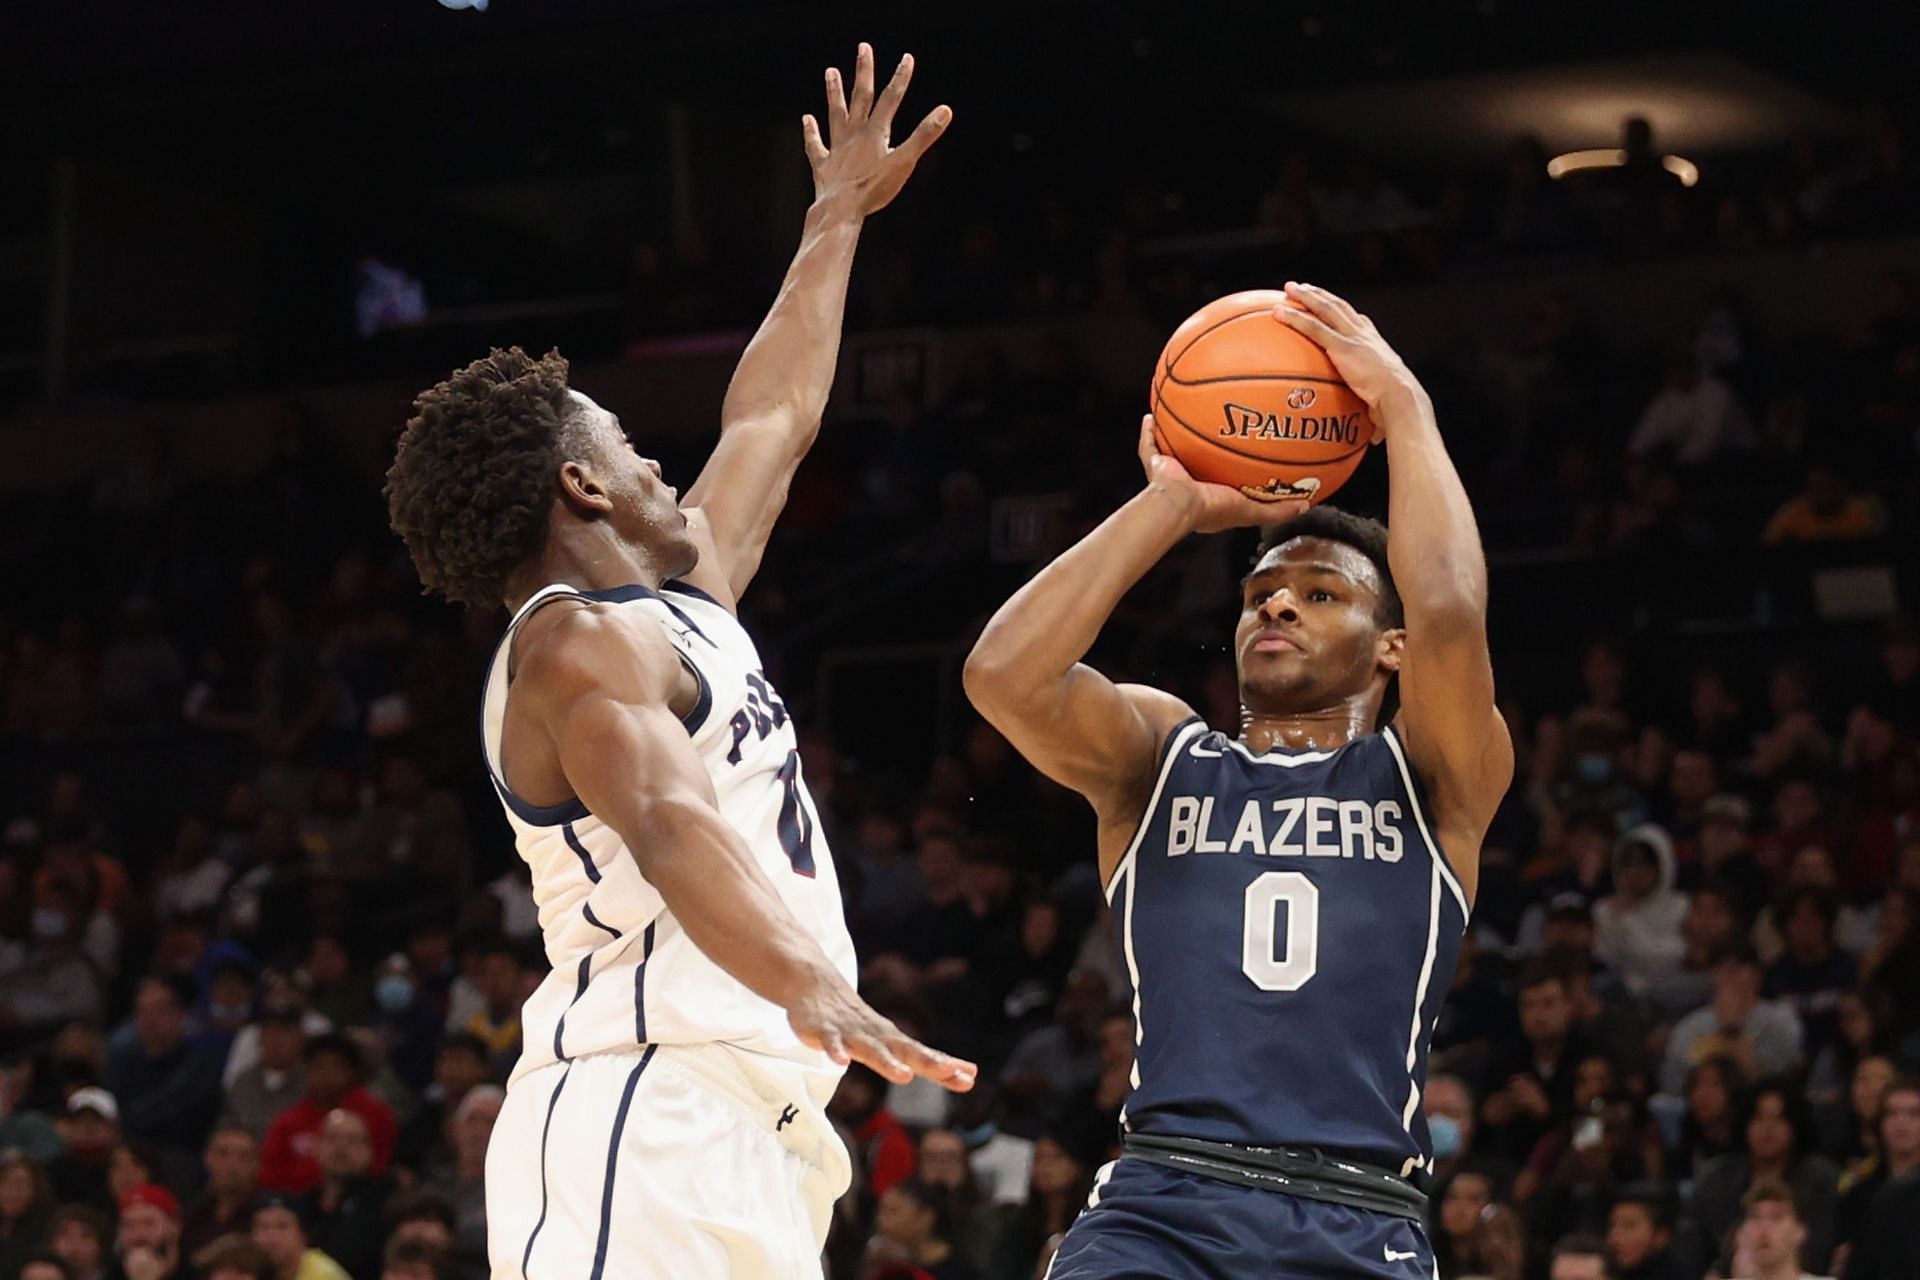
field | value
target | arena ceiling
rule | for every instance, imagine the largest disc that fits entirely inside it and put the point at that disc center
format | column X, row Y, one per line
column 1699, row 103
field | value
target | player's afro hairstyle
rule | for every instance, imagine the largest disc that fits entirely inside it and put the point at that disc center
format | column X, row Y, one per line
column 1368, row 537
column 472, row 480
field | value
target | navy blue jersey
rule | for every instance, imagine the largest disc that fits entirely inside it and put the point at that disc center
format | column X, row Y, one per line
column 1290, row 926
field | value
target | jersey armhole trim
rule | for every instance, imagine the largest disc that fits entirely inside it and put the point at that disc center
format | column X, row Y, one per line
column 1177, row 740
column 1392, row 737
column 571, row 811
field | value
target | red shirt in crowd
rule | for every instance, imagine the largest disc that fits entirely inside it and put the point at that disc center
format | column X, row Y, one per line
column 885, row 1150
column 289, row 1157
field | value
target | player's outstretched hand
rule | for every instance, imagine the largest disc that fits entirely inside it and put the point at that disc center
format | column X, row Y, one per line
column 843, row 1025
column 1212, row 507
column 857, row 164
column 1369, row 365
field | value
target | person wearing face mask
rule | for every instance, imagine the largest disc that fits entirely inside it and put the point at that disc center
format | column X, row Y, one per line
column 53, row 983
column 1449, row 1105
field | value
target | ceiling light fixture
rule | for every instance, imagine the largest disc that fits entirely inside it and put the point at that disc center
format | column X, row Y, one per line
column 1612, row 158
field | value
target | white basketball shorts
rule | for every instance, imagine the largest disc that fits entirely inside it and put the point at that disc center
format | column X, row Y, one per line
column 624, row 1166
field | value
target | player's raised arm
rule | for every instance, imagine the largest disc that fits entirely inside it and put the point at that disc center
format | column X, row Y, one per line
column 601, row 686
column 773, row 406
column 1025, row 673
column 1454, row 733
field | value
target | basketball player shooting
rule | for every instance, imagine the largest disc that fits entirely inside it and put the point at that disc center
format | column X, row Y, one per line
column 667, row 1114
column 1289, row 902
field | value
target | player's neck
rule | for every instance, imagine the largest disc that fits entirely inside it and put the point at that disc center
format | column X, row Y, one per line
column 1323, row 730
column 588, row 557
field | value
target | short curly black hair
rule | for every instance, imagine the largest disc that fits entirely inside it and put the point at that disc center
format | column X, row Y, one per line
column 472, row 479
column 1368, row 537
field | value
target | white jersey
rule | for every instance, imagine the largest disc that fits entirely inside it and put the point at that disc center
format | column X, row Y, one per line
column 624, row 974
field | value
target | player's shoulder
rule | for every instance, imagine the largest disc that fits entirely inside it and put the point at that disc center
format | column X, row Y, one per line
column 576, row 643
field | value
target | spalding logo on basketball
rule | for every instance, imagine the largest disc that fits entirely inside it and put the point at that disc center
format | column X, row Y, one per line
column 1241, row 399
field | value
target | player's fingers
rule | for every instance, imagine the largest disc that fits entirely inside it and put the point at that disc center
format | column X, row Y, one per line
column 925, row 134
column 873, row 1051
column 1333, row 308
column 862, row 101
column 810, row 136
column 836, row 102
column 1308, row 323
column 943, row 1069
column 889, row 100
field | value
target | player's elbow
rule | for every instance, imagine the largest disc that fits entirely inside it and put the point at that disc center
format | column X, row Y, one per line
column 988, row 677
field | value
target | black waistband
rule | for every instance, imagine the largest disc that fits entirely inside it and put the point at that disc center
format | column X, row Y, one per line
column 1296, row 1171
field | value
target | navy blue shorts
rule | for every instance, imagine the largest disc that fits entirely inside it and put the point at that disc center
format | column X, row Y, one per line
column 1147, row 1222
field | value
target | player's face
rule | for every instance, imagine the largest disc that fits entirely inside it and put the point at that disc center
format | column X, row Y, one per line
column 645, row 508
column 1309, row 635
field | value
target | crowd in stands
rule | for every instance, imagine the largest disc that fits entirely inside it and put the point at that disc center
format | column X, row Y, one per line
column 263, row 941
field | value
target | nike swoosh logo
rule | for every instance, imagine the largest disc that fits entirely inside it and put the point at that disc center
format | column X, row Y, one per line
column 1202, row 753
column 1394, row 1255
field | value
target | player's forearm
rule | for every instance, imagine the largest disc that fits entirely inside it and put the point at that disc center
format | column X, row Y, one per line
column 787, row 370
column 1049, row 625
column 709, row 880
column 1433, row 543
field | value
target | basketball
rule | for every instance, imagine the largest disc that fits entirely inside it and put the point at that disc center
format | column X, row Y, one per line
column 1242, row 400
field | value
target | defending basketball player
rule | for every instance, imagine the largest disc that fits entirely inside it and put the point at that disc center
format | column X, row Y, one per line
column 667, row 1115
column 1289, row 902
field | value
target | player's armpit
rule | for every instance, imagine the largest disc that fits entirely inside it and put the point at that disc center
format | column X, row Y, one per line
column 1081, row 729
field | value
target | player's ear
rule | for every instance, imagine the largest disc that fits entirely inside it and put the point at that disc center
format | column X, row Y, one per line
column 1391, row 648
column 581, row 489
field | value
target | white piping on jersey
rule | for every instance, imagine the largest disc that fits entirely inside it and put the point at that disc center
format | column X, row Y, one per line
column 1419, row 1003
column 503, row 652
column 1284, row 761
column 1179, row 744
column 1420, row 818
column 1133, row 975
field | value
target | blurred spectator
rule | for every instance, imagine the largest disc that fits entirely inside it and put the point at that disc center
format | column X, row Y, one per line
column 1532, row 1083
column 288, row 1156
column 232, row 1166
column 90, row 1132
column 53, row 982
column 1763, row 1037
column 1715, row 1102
column 1889, row 1237
column 1639, row 1231
column 1694, row 420
column 1826, row 510
column 883, row 1153
column 494, row 1018
column 1578, row 1257
column 280, row 1229
column 463, row 1182
column 80, row 1235
column 916, row 1217
column 277, row 1078
column 1637, row 928
column 1813, row 972
column 233, row 1257
column 1868, row 1208
column 167, row 1088
column 43, row 1264
column 346, row 1213
column 1767, row 1245
column 414, row 1260
column 26, row 1209
column 459, row 1067
column 149, row 1240
column 1777, row 1147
